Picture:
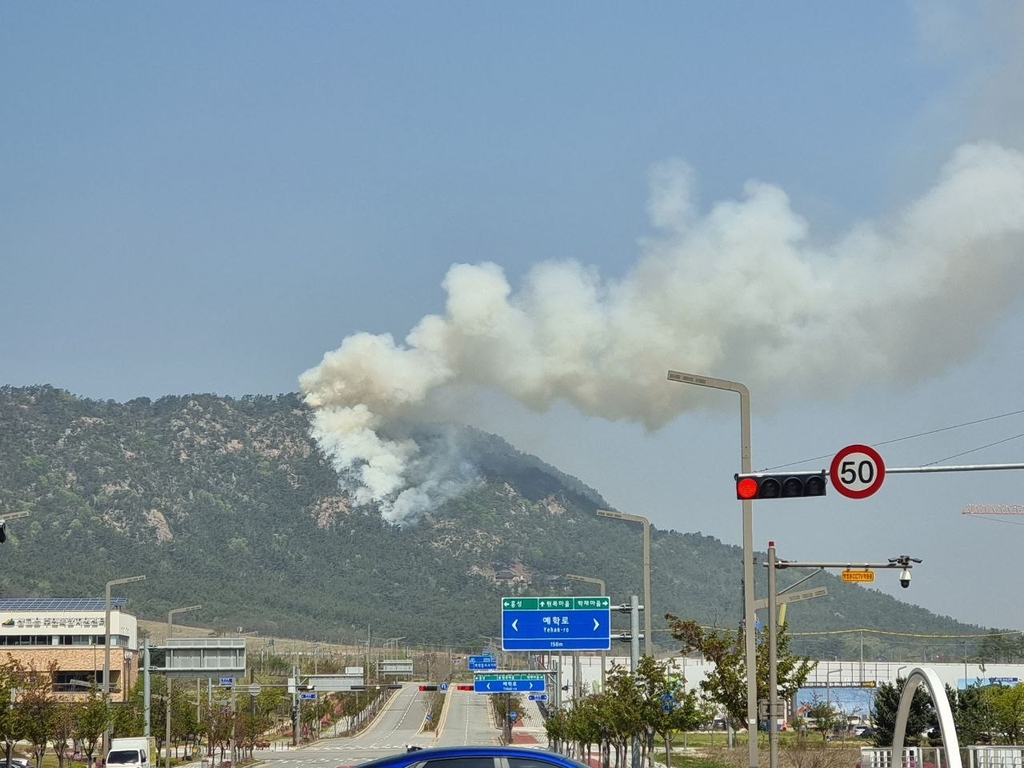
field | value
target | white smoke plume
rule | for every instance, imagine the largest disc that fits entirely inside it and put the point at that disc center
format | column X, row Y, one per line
column 739, row 291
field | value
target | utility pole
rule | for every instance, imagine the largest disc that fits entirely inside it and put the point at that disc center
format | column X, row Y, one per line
column 634, row 662
column 147, row 707
column 295, row 704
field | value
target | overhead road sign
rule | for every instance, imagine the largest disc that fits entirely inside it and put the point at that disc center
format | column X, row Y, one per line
column 482, row 662
column 509, row 682
column 857, row 471
column 307, row 696
column 205, row 657
column 556, row 623
column 862, row 575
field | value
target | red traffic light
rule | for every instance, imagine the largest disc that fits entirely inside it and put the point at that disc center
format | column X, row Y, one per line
column 463, row 687
column 746, row 488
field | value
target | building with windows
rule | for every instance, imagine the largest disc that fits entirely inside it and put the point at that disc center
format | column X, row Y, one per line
column 72, row 632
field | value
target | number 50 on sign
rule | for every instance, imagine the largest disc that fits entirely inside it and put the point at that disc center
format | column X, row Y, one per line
column 857, row 471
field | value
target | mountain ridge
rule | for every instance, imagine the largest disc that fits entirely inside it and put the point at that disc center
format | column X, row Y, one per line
column 231, row 504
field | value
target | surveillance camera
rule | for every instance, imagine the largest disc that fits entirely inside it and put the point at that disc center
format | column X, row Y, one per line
column 905, row 578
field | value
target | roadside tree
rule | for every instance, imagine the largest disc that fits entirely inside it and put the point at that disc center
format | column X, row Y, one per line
column 91, row 719
column 726, row 684
column 921, row 719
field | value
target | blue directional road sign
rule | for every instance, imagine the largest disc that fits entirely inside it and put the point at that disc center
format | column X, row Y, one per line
column 538, row 697
column 509, row 682
column 308, row 696
column 482, row 662
column 556, row 624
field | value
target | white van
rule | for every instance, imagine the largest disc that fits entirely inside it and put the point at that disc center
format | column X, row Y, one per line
column 132, row 752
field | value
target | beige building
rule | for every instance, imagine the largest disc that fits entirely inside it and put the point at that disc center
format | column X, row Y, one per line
column 72, row 632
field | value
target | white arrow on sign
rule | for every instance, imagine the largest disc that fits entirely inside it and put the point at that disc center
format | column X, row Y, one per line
column 514, row 623
column 596, row 624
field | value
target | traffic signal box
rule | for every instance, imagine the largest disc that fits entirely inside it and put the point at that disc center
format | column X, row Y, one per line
column 428, row 687
column 464, row 687
column 790, row 485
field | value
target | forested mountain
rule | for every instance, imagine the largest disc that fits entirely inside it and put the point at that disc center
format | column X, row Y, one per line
column 230, row 504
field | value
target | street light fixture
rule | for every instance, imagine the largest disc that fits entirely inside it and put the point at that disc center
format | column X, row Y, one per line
column 648, row 608
column 106, row 621
column 5, row 518
column 167, row 702
column 601, row 583
column 749, row 617
column 106, row 644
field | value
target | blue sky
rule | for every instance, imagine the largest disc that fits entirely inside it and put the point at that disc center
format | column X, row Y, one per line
column 206, row 197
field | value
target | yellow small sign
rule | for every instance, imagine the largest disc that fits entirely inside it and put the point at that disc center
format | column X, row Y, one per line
column 860, row 576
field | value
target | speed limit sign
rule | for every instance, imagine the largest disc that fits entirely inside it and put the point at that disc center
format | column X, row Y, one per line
column 857, row 471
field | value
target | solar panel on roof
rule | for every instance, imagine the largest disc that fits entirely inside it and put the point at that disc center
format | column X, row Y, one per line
column 59, row 603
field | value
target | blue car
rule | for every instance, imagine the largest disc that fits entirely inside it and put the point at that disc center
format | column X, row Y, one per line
column 475, row 757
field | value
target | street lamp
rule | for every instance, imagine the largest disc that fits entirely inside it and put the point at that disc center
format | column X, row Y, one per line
column 600, row 583
column 106, row 645
column 167, row 703
column 648, row 608
column 106, row 622
column 749, row 617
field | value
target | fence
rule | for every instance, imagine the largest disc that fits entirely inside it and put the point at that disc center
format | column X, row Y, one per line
column 979, row 756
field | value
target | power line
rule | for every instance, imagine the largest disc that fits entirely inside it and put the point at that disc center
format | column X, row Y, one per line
column 923, row 434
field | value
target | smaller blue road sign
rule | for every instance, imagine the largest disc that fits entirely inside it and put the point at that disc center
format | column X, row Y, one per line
column 538, row 697
column 485, row 661
column 509, row 682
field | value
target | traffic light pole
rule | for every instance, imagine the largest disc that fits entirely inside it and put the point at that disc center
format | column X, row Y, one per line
column 749, row 617
column 902, row 561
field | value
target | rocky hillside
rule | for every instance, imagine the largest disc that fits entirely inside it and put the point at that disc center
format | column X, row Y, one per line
column 230, row 504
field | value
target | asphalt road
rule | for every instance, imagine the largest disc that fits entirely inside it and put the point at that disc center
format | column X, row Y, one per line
column 464, row 720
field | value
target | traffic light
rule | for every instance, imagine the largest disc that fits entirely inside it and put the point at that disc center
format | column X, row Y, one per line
column 790, row 485
column 464, row 687
column 3, row 531
column 428, row 687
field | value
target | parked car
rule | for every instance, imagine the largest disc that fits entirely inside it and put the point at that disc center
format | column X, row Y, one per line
column 16, row 762
column 496, row 756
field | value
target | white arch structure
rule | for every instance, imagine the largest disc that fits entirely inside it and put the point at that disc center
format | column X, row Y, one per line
column 927, row 677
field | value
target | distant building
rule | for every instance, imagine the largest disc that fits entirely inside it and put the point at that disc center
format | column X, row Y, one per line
column 71, row 632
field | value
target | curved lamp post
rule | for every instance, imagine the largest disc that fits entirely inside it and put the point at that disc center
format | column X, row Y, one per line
column 648, row 608
column 749, row 617
column 603, row 586
column 106, row 644
column 167, row 703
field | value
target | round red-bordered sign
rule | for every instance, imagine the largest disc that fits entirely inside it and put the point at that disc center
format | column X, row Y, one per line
column 857, row 471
